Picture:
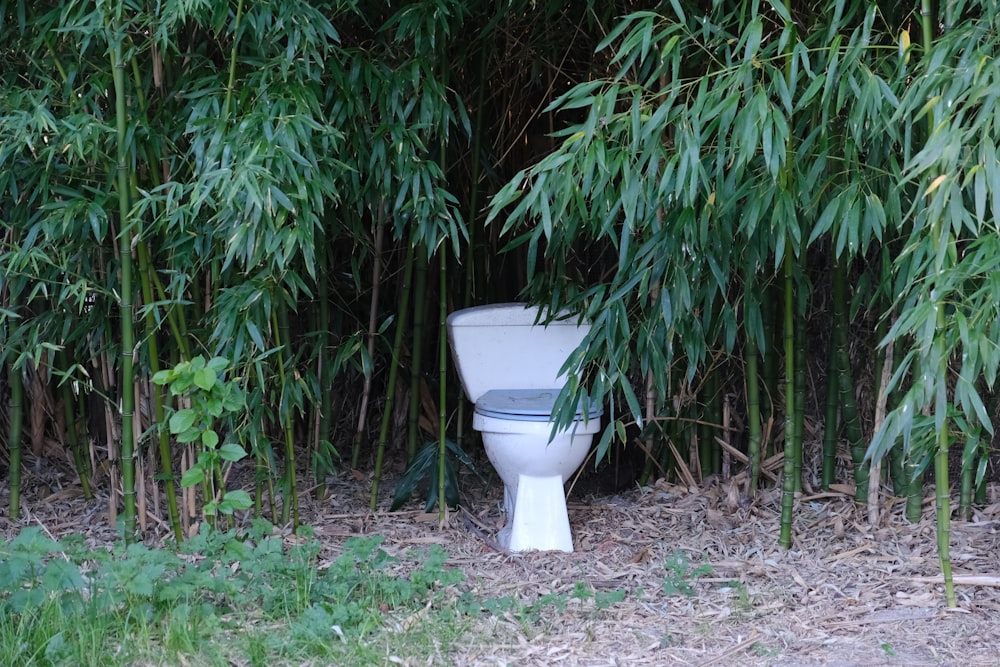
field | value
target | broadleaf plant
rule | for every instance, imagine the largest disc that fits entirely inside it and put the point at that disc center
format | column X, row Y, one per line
column 214, row 401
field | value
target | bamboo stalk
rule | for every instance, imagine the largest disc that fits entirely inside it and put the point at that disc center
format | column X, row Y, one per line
column 83, row 471
column 372, row 333
column 232, row 60
column 324, row 405
column 793, row 443
column 417, row 355
column 942, row 494
column 125, row 285
column 394, row 362
column 442, row 383
column 292, row 501
column 36, row 408
column 788, row 482
column 880, row 408
column 753, row 415
column 475, row 171
column 15, row 428
column 830, row 418
column 914, row 486
column 771, row 315
column 848, row 403
column 163, row 435
column 800, row 385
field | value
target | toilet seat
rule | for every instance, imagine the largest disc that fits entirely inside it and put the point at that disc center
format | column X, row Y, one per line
column 528, row 405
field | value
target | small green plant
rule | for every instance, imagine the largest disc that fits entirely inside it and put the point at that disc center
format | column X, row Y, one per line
column 64, row 604
column 423, row 470
column 742, row 603
column 888, row 649
column 680, row 573
column 759, row 649
column 212, row 398
column 607, row 599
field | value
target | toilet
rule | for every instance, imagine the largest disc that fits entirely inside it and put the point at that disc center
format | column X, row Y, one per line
column 509, row 367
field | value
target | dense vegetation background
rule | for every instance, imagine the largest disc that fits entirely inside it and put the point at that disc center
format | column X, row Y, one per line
column 233, row 229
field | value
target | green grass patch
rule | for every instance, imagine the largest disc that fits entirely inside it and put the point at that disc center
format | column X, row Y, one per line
column 250, row 598
column 223, row 598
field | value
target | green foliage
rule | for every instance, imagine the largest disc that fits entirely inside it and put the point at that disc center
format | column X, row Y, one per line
column 680, row 574
column 533, row 611
column 253, row 139
column 724, row 139
column 211, row 397
column 423, row 472
column 73, row 605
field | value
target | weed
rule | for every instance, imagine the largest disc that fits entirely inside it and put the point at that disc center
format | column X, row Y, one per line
column 742, row 603
column 61, row 604
column 680, row 573
column 211, row 397
column 760, row 649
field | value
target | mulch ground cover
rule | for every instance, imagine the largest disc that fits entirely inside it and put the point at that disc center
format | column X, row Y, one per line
column 663, row 574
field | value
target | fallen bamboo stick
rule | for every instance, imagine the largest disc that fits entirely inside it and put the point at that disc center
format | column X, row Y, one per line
column 963, row 580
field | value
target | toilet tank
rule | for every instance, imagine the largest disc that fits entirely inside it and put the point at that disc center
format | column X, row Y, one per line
column 499, row 347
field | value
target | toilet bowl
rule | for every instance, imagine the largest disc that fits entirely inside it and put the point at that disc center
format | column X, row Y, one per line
column 533, row 468
column 510, row 366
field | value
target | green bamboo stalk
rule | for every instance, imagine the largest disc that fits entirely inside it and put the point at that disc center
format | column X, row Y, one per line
column 770, row 314
column 475, row 172
column 72, row 435
column 830, row 425
column 232, row 61
column 417, row 354
column 147, row 273
column 442, row 381
column 280, row 341
column 848, row 403
column 163, row 436
column 15, row 428
column 793, row 446
column 897, row 469
column 394, row 363
column 125, row 298
column 942, row 504
column 788, row 471
column 372, row 333
column 753, row 414
column 323, row 370
column 915, row 490
column 965, row 486
column 16, row 421
column 800, row 388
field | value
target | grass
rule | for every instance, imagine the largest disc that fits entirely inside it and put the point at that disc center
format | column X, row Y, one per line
column 250, row 598
column 224, row 599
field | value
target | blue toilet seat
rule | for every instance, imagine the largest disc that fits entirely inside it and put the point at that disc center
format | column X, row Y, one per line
column 529, row 405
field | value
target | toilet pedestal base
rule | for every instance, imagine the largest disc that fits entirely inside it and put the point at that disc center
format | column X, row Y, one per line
column 536, row 516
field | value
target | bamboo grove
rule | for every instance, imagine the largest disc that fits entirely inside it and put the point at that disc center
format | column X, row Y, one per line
column 232, row 230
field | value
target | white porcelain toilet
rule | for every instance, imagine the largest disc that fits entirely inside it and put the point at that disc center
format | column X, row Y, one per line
column 509, row 368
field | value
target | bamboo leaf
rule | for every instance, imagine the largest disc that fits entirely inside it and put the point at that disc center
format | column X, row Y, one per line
column 935, row 183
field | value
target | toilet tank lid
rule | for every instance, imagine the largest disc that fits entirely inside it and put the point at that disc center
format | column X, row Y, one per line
column 527, row 402
column 506, row 314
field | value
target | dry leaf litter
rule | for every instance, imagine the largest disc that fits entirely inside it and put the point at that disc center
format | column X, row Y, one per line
column 846, row 594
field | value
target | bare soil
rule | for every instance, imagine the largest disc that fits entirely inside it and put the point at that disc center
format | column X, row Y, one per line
column 846, row 594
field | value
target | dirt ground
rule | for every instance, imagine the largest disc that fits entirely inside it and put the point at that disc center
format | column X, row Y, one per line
column 847, row 594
